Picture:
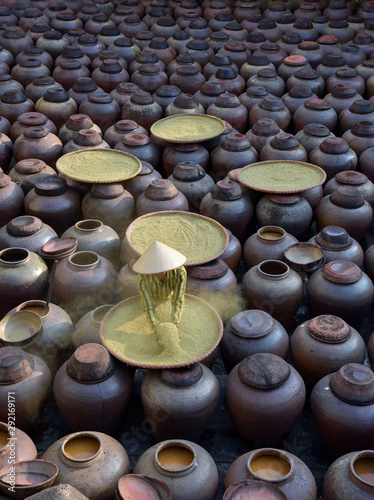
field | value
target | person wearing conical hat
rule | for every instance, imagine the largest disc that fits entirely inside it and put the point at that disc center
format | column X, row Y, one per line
column 161, row 273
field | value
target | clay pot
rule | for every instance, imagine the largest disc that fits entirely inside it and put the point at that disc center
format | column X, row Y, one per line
column 111, row 204
column 358, row 111
column 90, row 45
column 11, row 200
column 275, row 467
column 38, row 142
column 264, row 389
column 365, row 70
column 165, row 95
column 315, row 111
column 109, row 75
column 369, row 262
column 27, row 70
column 262, row 133
column 268, row 79
column 103, row 110
column 349, row 477
column 142, row 109
column 334, row 156
column 360, row 137
column 230, row 206
column 88, row 327
column 342, row 96
column 184, row 104
column 92, row 390
column 68, row 72
column 273, row 287
column 81, row 88
column 291, row 212
column 309, row 77
column 191, row 180
column 137, row 185
column 127, row 279
column 233, row 253
column 126, row 48
column 254, row 64
column 199, row 50
column 13, row 103
column 33, row 119
column 54, row 202
column 160, row 195
column 21, row 443
column 328, row 289
column 140, row 146
column 342, row 407
column 296, row 97
column 352, row 178
column 338, row 245
column 283, row 146
column 28, row 378
column 26, row 172
column 346, row 76
column 119, row 130
column 251, row 332
column 323, row 345
column 73, row 125
column 229, row 108
column 97, row 448
column 52, row 42
column 85, row 139
column 312, row 135
column 269, row 242
column 347, row 208
column 197, row 464
column 15, row 40
column 271, row 107
column 26, row 232
column 166, row 394
column 179, row 153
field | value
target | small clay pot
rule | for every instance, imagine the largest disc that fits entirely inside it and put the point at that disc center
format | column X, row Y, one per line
column 336, row 244
column 191, row 179
column 38, row 142
column 160, row 195
column 26, row 232
column 137, row 185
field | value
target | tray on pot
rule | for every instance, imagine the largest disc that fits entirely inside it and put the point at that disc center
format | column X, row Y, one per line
column 187, row 128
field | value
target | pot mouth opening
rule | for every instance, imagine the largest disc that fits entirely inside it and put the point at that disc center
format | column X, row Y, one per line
column 35, row 306
column 175, row 456
column 84, row 259
column 14, row 255
column 273, row 268
column 269, row 465
column 20, row 327
column 5, row 438
column 99, row 313
column 271, row 233
column 81, row 447
column 362, row 467
column 89, row 225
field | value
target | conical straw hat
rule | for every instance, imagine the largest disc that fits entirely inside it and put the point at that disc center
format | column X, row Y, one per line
column 158, row 258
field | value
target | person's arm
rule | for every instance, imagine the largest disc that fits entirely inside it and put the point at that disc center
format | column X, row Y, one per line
column 147, row 300
column 178, row 295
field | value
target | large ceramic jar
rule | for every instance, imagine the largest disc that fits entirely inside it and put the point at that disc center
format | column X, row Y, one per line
column 234, row 152
column 315, row 111
column 277, row 467
column 73, row 125
column 252, row 96
column 359, row 110
column 140, row 146
column 311, row 50
column 85, row 139
column 333, row 155
column 267, row 78
column 83, row 458
column 350, row 477
column 83, row 281
column 92, row 389
column 103, row 110
column 54, row 203
column 296, row 97
column 336, row 244
column 20, row 443
column 324, row 344
column 230, row 206
column 191, row 179
column 283, row 146
column 137, row 185
column 229, row 108
column 352, row 178
column 345, row 207
column 13, row 103
column 119, row 130
column 29, row 380
column 26, row 232
column 109, row 75
column 251, row 332
column 254, row 64
column 291, row 212
column 11, row 199
column 262, row 132
column 143, row 109
column 38, row 142
column 184, row 466
column 52, row 42
column 360, row 137
column 184, row 104
column 94, row 235
column 269, row 242
column 342, row 406
column 165, row 95
column 81, row 88
column 23, row 276
column 312, row 135
column 53, row 343
column 57, row 106
column 87, row 329
column 342, row 96
column 111, row 204
column 342, row 289
column 167, row 393
column 15, row 40
column 346, row 76
column 271, row 107
column 265, row 396
column 218, row 61
column 233, row 253
column 160, row 195
column 273, row 287
column 309, row 77
column 27, row 120
column 68, row 72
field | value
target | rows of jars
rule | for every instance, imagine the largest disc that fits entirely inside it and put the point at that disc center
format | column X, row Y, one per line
column 292, row 81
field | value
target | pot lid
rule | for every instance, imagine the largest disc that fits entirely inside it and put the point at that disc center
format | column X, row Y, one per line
column 186, row 101
column 126, row 125
column 212, row 88
column 334, row 146
column 136, row 139
column 354, row 383
column 182, row 377
column 236, row 142
column 292, row 37
column 5, row 180
column 111, row 66
column 147, row 168
column 258, row 60
column 284, row 142
column 341, row 271
column 285, row 199
column 226, row 190
column 188, row 171
column 346, row 73
column 25, row 225
column 333, row 238
column 51, row 186
column 56, row 95
column 84, row 84
column 267, row 73
column 185, row 69
column 212, row 270
column 15, row 365
column 107, row 191
column 265, row 127
column 168, row 91
column 100, row 97
column 333, row 60
column 271, row 103
column 330, row 329
column 351, row 177
column 226, row 73
column 252, row 324
column 30, row 166
column 361, row 107
column 308, row 45
column 347, row 197
column 295, row 60
column 90, row 363
column 300, row 92
column 316, row 129
column 343, row 90
column 32, row 119
column 363, row 129
column 307, row 74
column 264, row 371
column 58, row 249
column 319, row 104
column 79, row 122
column 161, row 190
column 227, row 100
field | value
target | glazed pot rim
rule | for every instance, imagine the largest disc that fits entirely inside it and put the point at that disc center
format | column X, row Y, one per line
column 357, row 456
column 274, row 229
column 274, row 262
column 175, row 472
column 36, row 302
column 79, row 254
column 14, row 250
column 24, row 341
column 270, row 452
column 98, row 310
column 93, row 225
column 81, row 435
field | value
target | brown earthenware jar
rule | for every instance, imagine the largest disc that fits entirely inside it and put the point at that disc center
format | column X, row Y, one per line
column 268, row 392
column 109, row 75
column 32, row 119
column 137, row 185
column 251, row 332
column 28, row 379
column 85, row 139
column 187, row 79
column 111, row 204
column 126, row 48
column 52, row 42
column 342, row 289
column 92, row 389
column 324, row 344
column 160, row 195
column 347, row 208
column 68, row 72
column 254, row 64
column 146, row 58
column 119, row 130
column 74, row 124
column 252, row 96
column 23, row 276
column 360, row 137
column 143, row 109
column 334, row 155
column 344, row 76
column 26, row 232
column 283, row 146
column 271, row 107
column 229, row 108
column 166, row 394
column 336, row 244
column 269, row 242
column 199, row 50
column 352, row 178
column 296, row 97
column 184, row 104
column 25, row 449
column 7, row 83
column 262, row 132
column 273, row 287
column 198, row 466
column 342, row 406
column 182, row 60
column 39, row 87
column 165, row 95
column 358, row 111
column 15, row 40
column 286, row 471
column 315, row 111
column 27, row 70
column 90, row 45
column 366, row 69
column 149, row 77
column 54, row 202
column 179, row 40
column 229, row 79
column 103, row 110
column 191, row 179
column 88, row 327
column 268, row 79
column 57, row 106
column 342, row 96
column 233, row 253
column 97, row 449
column 127, row 279
column 140, row 146
column 312, row 135
column 13, row 103
column 65, row 21
column 11, row 199
column 309, row 77
column 81, row 89
column 38, row 142
column 26, row 172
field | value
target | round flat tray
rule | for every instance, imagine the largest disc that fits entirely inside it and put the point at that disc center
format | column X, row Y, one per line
column 127, row 333
column 282, row 177
column 187, row 128
column 199, row 238
column 99, row 166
